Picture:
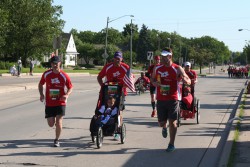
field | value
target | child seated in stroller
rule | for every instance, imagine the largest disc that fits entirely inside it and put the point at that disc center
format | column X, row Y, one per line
column 187, row 97
column 108, row 111
column 106, row 117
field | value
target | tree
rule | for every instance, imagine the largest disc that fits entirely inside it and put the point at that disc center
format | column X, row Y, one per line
column 87, row 36
column 32, row 26
column 144, row 44
column 4, row 24
column 87, row 51
column 246, row 52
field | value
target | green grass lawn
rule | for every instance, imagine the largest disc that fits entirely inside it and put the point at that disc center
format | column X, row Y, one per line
column 41, row 70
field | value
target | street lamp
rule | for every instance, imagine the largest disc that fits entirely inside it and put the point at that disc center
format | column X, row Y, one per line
column 105, row 56
column 169, row 42
column 241, row 29
column 131, row 36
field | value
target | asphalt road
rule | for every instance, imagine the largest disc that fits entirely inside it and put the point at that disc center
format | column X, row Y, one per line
column 26, row 139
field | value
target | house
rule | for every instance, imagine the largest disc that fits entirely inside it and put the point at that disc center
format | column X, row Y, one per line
column 71, row 52
column 66, row 40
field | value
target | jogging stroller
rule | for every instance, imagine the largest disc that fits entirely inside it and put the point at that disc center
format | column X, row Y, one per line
column 99, row 127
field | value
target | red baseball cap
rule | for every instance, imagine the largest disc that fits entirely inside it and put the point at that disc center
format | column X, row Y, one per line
column 157, row 57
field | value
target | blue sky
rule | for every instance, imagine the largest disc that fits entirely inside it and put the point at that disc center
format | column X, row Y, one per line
column 220, row 19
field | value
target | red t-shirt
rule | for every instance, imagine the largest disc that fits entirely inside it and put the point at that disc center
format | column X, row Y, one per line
column 55, row 87
column 114, row 73
column 192, row 75
column 170, row 86
column 144, row 79
column 150, row 71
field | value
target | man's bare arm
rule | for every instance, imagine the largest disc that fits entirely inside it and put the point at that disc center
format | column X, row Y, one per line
column 99, row 79
column 185, row 78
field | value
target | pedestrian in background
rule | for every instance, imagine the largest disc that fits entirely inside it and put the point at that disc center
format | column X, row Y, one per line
column 58, row 89
column 31, row 67
column 19, row 66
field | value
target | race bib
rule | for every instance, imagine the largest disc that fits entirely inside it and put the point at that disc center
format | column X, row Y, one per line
column 54, row 94
column 112, row 90
column 164, row 89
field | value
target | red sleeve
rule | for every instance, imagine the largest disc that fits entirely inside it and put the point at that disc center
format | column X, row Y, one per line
column 68, row 82
column 195, row 75
column 126, row 66
column 150, row 69
column 102, row 73
column 147, row 80
column 42, row 81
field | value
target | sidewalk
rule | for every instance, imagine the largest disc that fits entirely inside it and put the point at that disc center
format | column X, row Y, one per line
column 240, row 150
column 31, row 85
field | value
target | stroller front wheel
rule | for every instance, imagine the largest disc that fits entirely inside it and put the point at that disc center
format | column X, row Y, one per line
column 99, row 138
column 123, row 133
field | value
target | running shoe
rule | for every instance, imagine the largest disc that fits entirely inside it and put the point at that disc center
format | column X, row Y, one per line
column 170, row 148
column 164, row 132
column 116, row 137
column 153, row 113
column 56, row 143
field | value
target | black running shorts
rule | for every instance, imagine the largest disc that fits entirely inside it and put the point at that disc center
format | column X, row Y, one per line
column 167, row 109
column 54, row 111
column 152, row 90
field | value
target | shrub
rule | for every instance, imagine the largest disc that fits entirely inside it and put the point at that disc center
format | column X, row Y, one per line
column 46, row 64
column 2, row 65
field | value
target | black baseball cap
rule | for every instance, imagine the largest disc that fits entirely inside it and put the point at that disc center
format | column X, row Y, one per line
column 55, row 59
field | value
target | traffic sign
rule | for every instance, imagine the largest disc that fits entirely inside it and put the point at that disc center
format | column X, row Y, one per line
column 192, row 61
column 150, row 55
column 105, row 55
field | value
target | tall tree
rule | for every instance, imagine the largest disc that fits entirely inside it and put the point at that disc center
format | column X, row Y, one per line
column 144, row 44
column 32, row 26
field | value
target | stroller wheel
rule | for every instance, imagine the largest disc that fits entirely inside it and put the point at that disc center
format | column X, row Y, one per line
column 179, row 118
column 198, row 116
column 99, row 138
column 123, row 133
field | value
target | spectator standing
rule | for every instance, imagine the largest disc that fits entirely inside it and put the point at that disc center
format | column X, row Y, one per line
column 31, row 67
column 19, row 66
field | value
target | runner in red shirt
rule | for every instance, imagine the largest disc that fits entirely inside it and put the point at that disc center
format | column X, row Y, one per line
column 144, row 80
column 114, row 72
column 166, row 78
column 157, row 60
column 55, row 97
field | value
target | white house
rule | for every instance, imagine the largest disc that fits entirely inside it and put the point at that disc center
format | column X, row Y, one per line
column 71, row 52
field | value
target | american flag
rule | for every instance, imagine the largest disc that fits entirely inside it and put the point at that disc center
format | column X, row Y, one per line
column 129, row 80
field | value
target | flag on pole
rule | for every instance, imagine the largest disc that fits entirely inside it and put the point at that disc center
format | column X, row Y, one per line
column 129, row 80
